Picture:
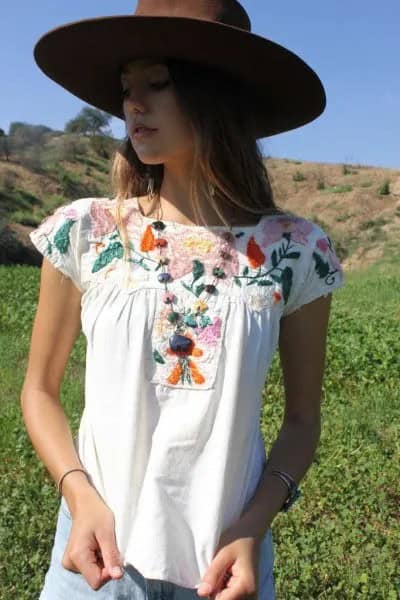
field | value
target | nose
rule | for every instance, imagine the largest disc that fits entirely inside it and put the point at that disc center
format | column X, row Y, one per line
column 134, row 102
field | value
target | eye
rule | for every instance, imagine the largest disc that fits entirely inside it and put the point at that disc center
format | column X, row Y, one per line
column 159, row 84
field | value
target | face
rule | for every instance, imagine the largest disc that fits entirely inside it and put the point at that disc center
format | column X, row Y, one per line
column 149, row 97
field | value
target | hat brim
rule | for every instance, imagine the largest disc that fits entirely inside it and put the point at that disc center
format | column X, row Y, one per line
column 85, row 57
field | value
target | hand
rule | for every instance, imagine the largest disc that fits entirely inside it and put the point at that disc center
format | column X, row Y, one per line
column 237, row 555
column 92, row 549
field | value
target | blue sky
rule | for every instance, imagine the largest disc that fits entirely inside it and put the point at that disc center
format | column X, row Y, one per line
column 353, row 46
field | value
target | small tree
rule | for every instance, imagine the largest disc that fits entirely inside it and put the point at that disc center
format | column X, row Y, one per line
column 4, row 147
column 384, row 190
column 90, row 121
column 298, row 176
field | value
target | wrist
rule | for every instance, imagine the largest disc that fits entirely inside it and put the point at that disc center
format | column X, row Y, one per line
column 77, row 490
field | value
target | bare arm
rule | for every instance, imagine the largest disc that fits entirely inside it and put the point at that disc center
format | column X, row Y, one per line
column 55, row 330
column 56, row 327
column 302, row 346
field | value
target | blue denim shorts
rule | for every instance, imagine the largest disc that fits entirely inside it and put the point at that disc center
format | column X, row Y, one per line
column 62, row 584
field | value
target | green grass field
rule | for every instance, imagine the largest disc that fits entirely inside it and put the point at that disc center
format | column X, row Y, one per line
column 341, row 539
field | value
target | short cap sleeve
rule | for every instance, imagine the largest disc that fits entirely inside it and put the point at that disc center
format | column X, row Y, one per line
column 60, row 237
column 321, row 271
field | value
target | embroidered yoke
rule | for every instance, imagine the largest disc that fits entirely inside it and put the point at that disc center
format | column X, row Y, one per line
column 173, row 443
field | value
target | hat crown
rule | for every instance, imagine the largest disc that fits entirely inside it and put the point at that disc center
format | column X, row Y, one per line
column 227, row 12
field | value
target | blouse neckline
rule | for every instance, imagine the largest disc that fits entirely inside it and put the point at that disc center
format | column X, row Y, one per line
column 183, row 226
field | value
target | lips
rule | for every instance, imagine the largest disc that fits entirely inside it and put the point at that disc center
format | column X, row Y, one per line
column 141, row 129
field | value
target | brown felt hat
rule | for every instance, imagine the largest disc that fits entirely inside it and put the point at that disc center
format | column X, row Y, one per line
column 85, row 57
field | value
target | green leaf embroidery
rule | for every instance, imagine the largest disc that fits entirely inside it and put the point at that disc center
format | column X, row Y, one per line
column 198, row 270
column 274, row 259
column 205, row 320
column 190, row 320
column 293, row 255
column 114, row 250
column 158, row 358
column 265, row 282
column 321, row 267
column 287, row 280
column 237, row 281
column 246, row 271
column 199, row 289
column 61, row 238
column 276, row 278
column 186, row 286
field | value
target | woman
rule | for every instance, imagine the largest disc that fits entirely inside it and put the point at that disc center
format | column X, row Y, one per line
column 184, row 283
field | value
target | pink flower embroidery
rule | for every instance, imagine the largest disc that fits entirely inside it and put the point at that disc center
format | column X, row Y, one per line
column 210, row 334
column 273, row 229
column 58, row 216
column 203, row 246
column 325, row 247
column 102, row 221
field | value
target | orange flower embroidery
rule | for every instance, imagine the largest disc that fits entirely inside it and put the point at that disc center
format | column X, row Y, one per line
column 255, row 255
column 175, row 374
column 277, row 296
column 184, row 362
column 148, row 240
column 197, row 376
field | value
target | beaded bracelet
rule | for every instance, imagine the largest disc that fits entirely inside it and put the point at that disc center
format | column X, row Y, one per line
column 65, row 474
column 294, row 492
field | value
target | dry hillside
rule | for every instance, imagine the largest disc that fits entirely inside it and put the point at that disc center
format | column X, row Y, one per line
column 344, row 199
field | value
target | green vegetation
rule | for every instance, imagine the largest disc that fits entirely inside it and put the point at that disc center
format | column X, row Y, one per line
column 346, row 170
column 384, row 190
column 298, row 176
column 337, row 189
column 340, row 540
column 373, row 223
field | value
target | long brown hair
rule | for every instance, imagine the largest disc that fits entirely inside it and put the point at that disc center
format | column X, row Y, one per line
column 227, row 155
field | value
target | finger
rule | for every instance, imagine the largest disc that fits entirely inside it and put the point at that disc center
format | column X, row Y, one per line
column 110, row 553
column 85, row 562
column 67, row 563
column 214, row 577
column 235, row 591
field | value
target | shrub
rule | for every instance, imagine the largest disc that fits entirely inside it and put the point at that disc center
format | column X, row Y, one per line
column 384, row 190
column 298, row 176
column 338, row 189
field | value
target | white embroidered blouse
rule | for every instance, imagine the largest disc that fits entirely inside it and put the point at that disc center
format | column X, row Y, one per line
column 172, row 441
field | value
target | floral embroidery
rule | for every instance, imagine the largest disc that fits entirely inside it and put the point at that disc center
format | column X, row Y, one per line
column 193, row 365
column 102, row 221
column 210, row 334
column 61, row 239
column 113, row 250
column 259, row 301
column 323, row 267
column 264, row 271
column 205, row 246
column 255, row 255
column 185, row 368
column 272, row 230
column 147, row 242
column 279, row 272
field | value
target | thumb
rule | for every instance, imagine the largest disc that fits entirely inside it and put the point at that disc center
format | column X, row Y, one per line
column 110, row 554
column 214, row 577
